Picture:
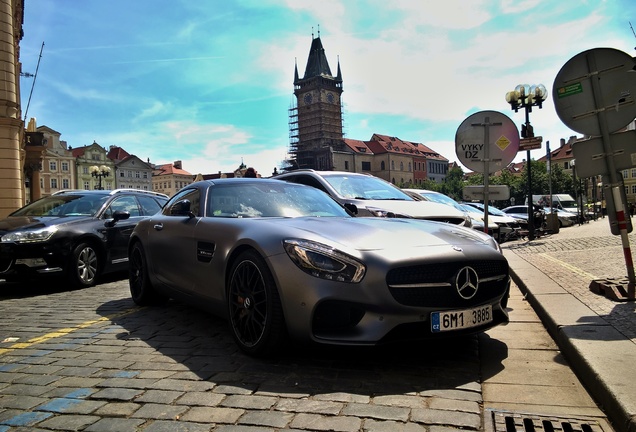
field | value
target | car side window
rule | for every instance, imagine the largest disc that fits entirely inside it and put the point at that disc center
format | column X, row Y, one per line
column 192, row 195
column 149, row 205
column 309, row 181
column 125, row 203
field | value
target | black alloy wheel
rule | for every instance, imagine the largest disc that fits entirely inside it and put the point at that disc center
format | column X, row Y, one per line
column 141, row 289
column 254, row 306
column 84, row 266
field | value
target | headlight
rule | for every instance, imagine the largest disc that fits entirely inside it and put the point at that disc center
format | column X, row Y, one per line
column 378, row 212
column 324, row 262
column 31, row 236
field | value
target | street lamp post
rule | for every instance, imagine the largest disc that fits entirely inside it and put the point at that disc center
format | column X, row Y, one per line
column 99, row 172
column 526, row 96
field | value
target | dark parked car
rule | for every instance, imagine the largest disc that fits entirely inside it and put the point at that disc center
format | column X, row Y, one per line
column 366, row 195
column 280, row 260
column 80, row 234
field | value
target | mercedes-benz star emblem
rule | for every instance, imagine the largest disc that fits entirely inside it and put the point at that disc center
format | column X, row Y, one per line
column 467, row 283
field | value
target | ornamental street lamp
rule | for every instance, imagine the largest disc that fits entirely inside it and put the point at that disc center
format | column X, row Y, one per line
column 99, row 172
column 526, row 96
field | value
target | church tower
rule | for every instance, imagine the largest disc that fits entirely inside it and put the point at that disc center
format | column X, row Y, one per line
column 316, row 119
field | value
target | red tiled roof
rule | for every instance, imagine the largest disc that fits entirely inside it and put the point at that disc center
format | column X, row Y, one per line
column 167, row 169
column 117, row 153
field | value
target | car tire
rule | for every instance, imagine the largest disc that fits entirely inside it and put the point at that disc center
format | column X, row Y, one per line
column 254, row 306
column 84, row 267
column 142, row 291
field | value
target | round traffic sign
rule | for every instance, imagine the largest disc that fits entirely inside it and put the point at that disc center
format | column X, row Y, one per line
column 487, row 140
column 573, row 93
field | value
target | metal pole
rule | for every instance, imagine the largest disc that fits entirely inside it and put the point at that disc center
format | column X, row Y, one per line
column 530, row 204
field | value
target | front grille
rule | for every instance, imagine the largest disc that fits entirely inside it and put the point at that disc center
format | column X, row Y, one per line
column 440, row 280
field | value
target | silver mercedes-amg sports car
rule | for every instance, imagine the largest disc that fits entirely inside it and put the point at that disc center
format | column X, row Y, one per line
column 283, row 261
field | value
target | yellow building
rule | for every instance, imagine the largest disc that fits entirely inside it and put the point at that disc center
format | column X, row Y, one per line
column 15, row 152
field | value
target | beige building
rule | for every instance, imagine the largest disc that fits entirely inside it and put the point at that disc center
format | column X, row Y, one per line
column 94, row 169
column 58, row 170
column 15, row 152
column 169, row 178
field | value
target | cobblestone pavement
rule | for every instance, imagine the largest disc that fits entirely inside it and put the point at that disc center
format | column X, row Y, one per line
column 91, row 360
column 579, row 254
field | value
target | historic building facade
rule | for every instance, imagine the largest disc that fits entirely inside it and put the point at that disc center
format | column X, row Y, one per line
column 86, row 159
column 169, row 178
column 130, row 171
column 15, row 152
column 316, row 118
column 58, row 170
column 317, row 134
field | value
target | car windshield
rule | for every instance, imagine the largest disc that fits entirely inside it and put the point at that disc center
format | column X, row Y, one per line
column 491, row 210
column 365, row 187
column 442, row 199
column 271, row 199
column 63, row 205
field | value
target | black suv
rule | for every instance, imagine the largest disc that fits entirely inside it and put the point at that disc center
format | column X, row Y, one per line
column 79, row 234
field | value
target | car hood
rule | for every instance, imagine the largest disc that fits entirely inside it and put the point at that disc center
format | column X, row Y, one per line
column 414, row 209
column 380, row 233
column 15, row 223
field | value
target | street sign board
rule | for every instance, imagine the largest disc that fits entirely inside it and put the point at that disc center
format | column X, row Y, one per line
column 530, row 143
column 495, row 192
column 573, row 93
column 591, row 158
column 487, row 139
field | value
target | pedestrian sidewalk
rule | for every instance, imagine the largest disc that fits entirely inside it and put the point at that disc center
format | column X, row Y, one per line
column 596, row 334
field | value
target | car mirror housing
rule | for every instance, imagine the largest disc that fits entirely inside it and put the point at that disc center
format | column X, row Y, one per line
column 181, row 208
column 351, row 208
column 117, row 216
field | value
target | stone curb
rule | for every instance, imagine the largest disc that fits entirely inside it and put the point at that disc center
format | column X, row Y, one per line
column 601, row 356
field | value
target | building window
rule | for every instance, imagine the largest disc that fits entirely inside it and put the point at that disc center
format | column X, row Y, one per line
column 137, row 174
column 393, row 168
column 634, row 189
column 409, row 166
column 625, row 172
column 53, row 183
column 87, row 185
column 85, row 170
column 145, row 174
column 52, row 166
column 633, row 172
column 401, row 166
column 366, row 166
column 382, row 166
column 65, row 166
column 346, row 165
column 66, row 184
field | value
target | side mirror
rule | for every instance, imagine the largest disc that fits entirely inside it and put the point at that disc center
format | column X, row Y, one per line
column 351, row 208
column 182, row 208
column 117, row 216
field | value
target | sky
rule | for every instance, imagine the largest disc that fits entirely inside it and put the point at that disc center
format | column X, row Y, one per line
column 210, row 82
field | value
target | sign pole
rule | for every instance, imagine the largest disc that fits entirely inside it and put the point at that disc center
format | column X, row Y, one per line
column 486, row 125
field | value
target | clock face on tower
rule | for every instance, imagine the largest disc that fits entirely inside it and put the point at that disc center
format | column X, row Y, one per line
column 308, row 98
column 330, row 98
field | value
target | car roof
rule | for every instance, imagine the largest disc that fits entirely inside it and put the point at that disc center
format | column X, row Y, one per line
column 107, row 192
column 322, row 173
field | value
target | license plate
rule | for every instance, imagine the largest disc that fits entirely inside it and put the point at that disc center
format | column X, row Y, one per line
column 460, row 319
